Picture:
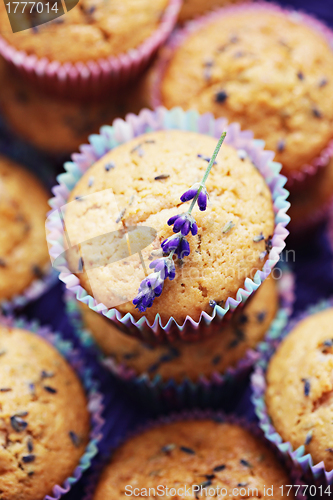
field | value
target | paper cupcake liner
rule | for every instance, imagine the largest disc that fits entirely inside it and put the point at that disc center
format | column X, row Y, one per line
column 210, row 391
column 219, row 416
column 313, row 473
column 92, row 78
column 123, row 131
column 35, row 290
column 298, row 179
column 95, row 398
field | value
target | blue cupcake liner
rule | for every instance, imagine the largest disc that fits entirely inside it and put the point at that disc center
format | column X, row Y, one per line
column 121, row 132
column 95, row 398
column 195, row 414
column 210, row 391
column 314, row 473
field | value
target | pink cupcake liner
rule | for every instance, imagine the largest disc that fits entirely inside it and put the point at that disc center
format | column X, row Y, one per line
column 95, row 398
column 123, row 131
column 207, row 391
column 92, row 78
column 315, row 474
column 35, row 290
column 298, row 179
column 219, row 416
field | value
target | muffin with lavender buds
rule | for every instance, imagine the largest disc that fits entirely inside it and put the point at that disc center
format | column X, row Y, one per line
column 214, row 455
column 43, row 413
column 189, row 360
column 53, row 124
column 142, row 182
column 300, row 387
column 90, row 31
column 194, row 8
column 23, row 250
column 261, row 67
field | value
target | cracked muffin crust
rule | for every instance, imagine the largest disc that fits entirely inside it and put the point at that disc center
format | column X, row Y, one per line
column 23, row 250
column 299, row 393
column 147, row 176
column 91, row 30
column 44, row 421
column 191, row 453
column 263, row 69
column 190, row 359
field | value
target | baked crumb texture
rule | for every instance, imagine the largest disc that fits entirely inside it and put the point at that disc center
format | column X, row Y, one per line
column 23, row 250
column 44, row 420
column 147, row 176
column 191, row 453
column 265, row 70
column 299, row 392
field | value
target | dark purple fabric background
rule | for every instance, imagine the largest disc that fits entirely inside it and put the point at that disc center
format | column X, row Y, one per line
column 312, row 266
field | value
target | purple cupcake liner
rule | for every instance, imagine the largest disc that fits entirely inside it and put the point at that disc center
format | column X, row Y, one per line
column 123, row 131
column 196, row 414
column 316, row 474
column 91, row 78
column 298, row 179
column 95, row 398
column 35, row 290
column 207, row 391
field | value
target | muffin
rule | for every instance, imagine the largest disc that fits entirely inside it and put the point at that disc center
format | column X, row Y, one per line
column 269, row 70
column 56, row 125
column 43, row 414
column 90, row 31
column 191, row 454
column 156, row 169
column 310, row 205
column 300, row 387
column 189, row 360
column 23, row 250
column 194, row 8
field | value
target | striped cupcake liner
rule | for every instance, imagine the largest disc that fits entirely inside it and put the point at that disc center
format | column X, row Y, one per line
column 35, row 290
column 315, row 474
column 296, row 180
column 95, row 398
column 161, row 396
column 92, row 78
column 123, row 131
column 92, row 480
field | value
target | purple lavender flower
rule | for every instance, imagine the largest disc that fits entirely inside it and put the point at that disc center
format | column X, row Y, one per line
column 183, row 223
column 192, row 192
column 150, row 288
column 165, row 267
column 178, row 244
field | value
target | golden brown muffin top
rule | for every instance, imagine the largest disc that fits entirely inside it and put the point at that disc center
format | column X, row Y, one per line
column 193, row 453
column 23, row 250
column 93, row 29
column 265, row 70
column 190, row 359
column 218, row 263
column 299, row 392
column 44, row 421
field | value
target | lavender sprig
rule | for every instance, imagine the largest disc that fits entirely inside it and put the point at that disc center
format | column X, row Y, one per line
column 184, row 223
